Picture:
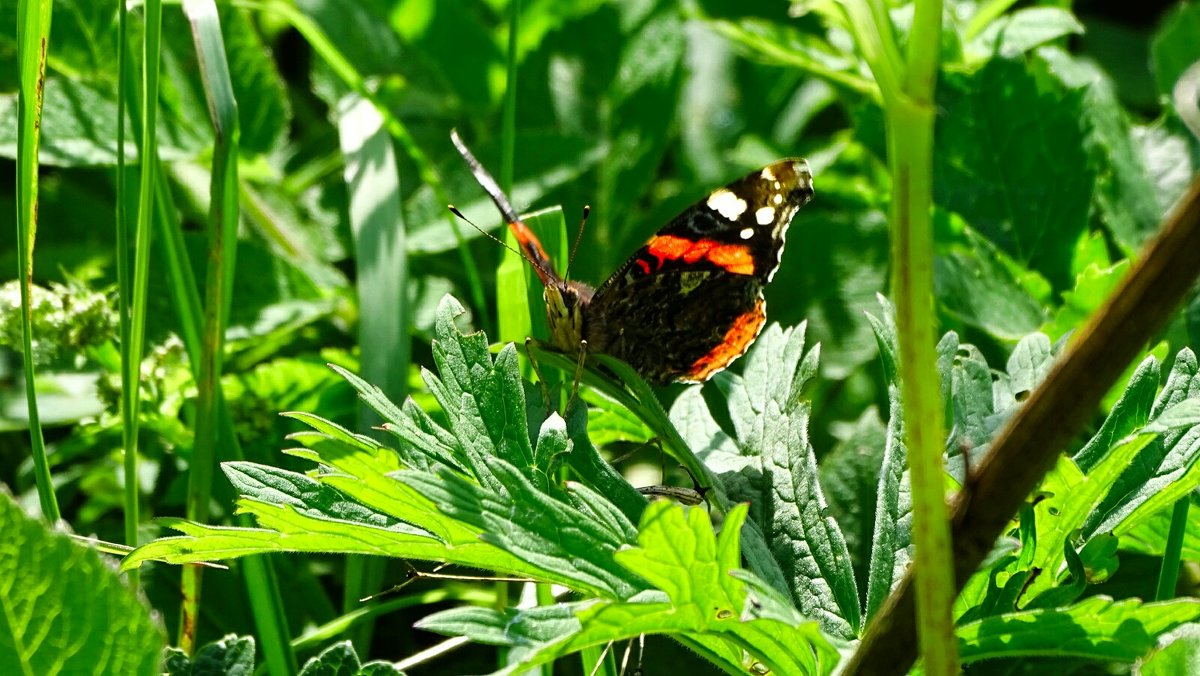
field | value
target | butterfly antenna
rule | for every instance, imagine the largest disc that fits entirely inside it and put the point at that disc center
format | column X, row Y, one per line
column 529, row 243
column 454, row 210
column 587, row 209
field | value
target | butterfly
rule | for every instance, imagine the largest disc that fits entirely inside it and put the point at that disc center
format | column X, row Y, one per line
column 688, row 302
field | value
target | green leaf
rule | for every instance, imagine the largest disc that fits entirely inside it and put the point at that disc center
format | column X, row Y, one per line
column 1096, row 628
column 705, row 601
column 1130, row 204
column 1179, row 653
column 340, row 659
column 65, row 609
column 1010, row 160
column 1131, row 412
column 1018, row 32
column 1166, row 469
column 975, row 286
column 230, row 655
column 1174, row 48
column 891, row 548
column 1070, row 497
column 1092, row 288
column 776, row 471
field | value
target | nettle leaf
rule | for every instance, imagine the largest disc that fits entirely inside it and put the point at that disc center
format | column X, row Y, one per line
column 65, row 609
column 891, row 550
column 1018, row 32
column 1166, row 469
column 230, row 655
column 439, row 497
column 1095, row 628
column 1011, row 161
column 705, row 600
column 340, row 659
column 772, row 466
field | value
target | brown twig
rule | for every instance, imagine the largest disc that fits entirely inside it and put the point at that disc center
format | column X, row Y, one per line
column 1029, row 444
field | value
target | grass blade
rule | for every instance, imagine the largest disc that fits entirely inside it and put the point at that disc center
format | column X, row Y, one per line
column 33, row 28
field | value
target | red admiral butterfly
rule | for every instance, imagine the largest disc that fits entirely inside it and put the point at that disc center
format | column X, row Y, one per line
column 688, row 302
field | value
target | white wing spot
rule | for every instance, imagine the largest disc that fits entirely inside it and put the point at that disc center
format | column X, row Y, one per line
column 727, row 204
column 764, row 216
column 778, row 199
column 747, row 233
column 778, row 185
column 767, row 174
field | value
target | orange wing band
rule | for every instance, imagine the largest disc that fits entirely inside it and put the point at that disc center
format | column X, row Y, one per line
column 533, row 250
column 737, row 340
column 734, row 258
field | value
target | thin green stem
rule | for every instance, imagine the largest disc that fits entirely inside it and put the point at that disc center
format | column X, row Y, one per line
column 1168, row 575
column 33, row 39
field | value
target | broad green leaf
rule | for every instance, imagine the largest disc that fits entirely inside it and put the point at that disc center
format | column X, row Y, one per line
column 586, row 462
column 449, row 37
column 1096, row 628
column 1129, row 202
column 1018, row 32
column 701, row 601
column 850, row 477
column 1178, row 653
column 1131, row 412
column 1092, row 287
column 65, row 609
column 609, row 421
column 1166, row 469
column 543, row 530
column 776, row 471
column 1174, row 47
column 1070, row 497
column 230, row 655
column 1149, row 536
column 340, row 659
column 1010, row 160
column 976, row 286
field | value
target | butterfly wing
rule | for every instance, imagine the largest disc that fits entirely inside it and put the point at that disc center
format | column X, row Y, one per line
column 689, row 302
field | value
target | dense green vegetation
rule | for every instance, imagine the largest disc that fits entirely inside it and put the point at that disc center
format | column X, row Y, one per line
column 287, row 250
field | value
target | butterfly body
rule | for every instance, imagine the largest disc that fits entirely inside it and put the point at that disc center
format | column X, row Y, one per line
column 688, row 302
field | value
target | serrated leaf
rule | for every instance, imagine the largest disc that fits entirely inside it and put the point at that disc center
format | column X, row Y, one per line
column 1018, row 32
column 1010, row 160
column 777, row 473
column 1166, row 469
column 65, row 609
column 703, row 604
column 891, row 544
column 1070, row 498
column 1096, row 628
column 232, row 655
column 1131, row 412
column 545, row 532
column 1178, row 653
column 340, row 659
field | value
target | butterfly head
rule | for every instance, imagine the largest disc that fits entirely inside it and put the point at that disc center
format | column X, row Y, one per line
column 565, row 310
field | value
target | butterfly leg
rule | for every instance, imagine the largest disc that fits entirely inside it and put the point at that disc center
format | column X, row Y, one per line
column 538, row 372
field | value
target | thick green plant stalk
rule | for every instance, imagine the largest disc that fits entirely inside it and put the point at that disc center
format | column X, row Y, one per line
column 33, row 39
column 910, row 119
column 906, row 86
